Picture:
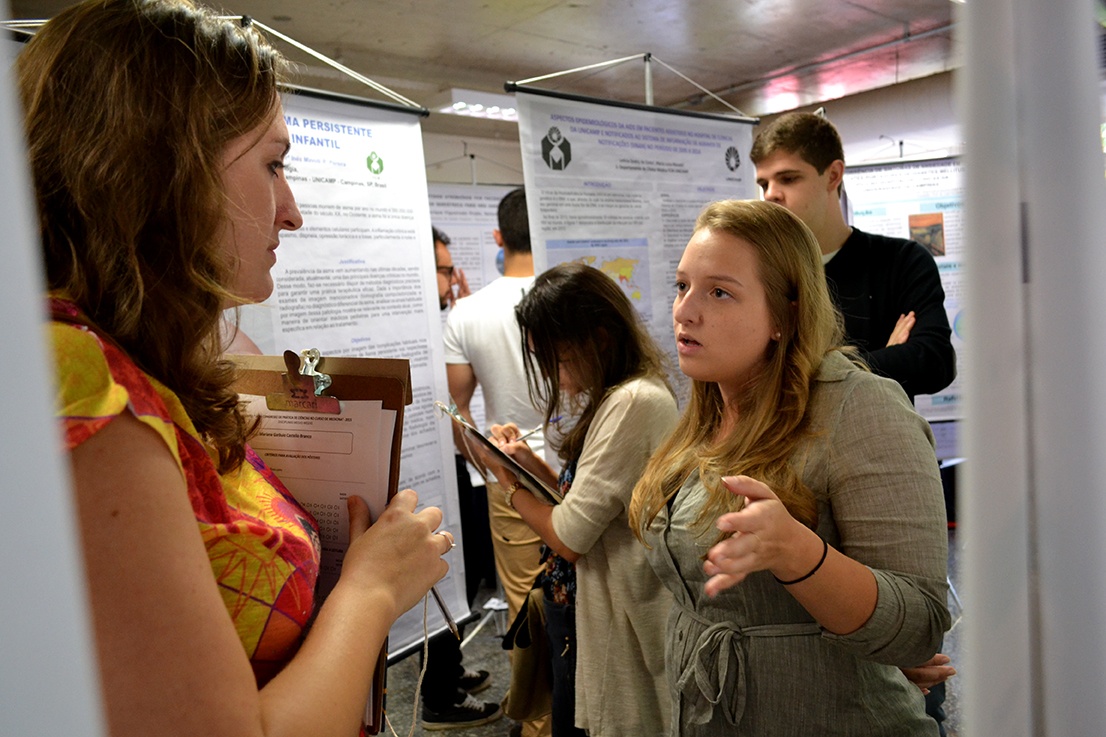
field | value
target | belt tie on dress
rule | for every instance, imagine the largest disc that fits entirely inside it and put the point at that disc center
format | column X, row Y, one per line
column 701, row 685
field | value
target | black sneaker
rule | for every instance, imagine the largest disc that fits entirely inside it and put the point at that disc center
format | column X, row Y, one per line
column 475, row 681
column 469, row 713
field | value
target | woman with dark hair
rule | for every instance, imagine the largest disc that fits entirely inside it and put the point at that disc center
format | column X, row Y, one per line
column 156, row 141
column 796, row 513
column 589, row 355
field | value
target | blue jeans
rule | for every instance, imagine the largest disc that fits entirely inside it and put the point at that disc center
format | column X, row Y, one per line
column 935, row 706
column 560, row 628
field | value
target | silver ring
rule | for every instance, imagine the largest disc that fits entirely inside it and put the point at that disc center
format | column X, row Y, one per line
column 448, row 536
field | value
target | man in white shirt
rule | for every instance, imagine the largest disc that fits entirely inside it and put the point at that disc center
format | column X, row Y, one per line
column 483, row 345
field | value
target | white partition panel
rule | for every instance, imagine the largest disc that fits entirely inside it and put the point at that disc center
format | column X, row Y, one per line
column 48, row 683
column 1033, row 505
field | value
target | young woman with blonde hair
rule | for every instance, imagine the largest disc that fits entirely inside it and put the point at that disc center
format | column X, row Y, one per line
column 157, row 142
column 796, row 513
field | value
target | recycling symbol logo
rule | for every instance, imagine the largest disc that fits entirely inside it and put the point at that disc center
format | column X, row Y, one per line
column 733, row 159
column 375, row 163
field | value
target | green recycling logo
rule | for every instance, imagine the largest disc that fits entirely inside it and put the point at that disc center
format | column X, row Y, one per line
column 375, row 163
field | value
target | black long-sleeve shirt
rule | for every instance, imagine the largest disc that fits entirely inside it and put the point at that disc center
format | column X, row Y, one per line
column 874, row 279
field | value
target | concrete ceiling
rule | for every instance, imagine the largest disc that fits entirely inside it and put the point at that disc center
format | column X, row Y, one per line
column 762, row 56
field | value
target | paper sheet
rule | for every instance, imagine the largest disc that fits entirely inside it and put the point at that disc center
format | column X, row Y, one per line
column 323, row 459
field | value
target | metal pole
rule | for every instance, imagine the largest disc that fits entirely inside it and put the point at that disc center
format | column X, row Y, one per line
column 587, row 68
column 648, row 79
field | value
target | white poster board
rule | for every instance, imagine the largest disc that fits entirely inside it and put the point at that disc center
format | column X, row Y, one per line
column 358, row 280
column 49, row 683
column 467, row 214
column 922, row 201
column 620, row 187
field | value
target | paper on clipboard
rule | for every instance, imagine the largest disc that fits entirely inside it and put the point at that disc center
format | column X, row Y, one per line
column 324, row 448
column 536, row 486
column 323, row 459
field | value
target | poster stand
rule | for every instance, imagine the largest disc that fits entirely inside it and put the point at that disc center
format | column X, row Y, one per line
column 648, row 60
column 29, row 27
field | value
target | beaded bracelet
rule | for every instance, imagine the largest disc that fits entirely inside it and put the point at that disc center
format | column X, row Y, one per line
column 825, row 550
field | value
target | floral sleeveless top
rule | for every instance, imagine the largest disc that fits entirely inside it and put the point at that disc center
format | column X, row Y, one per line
column 558, row 578
column 263, row 546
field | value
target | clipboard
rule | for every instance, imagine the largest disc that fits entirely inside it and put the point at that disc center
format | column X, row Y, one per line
column 387, row 380
column 532, row 483
column 352, row 379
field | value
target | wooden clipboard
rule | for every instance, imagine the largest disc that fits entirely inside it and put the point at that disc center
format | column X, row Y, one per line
column 387, row 380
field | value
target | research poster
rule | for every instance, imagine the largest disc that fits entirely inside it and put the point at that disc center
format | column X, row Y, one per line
column 358, row 280
column 922, row 201
column 468, row 214
column 619, row 188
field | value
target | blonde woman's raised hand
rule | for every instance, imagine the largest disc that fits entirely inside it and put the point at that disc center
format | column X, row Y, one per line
column 765, row 537
column 839, row 592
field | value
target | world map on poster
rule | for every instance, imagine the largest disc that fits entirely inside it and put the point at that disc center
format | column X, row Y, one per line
column 621, row 270
column 625, row 260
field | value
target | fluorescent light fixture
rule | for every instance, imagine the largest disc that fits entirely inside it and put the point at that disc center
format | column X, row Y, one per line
column 475, row 104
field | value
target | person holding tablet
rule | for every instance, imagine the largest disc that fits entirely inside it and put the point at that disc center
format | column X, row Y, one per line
column 589, row 356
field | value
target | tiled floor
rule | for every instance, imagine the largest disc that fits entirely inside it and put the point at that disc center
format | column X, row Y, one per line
column 484, row 651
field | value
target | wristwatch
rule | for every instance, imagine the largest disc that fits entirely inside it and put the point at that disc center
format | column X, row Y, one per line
column 509, row 493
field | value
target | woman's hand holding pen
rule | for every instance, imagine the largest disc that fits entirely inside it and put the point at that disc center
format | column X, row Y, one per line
column 512, row 441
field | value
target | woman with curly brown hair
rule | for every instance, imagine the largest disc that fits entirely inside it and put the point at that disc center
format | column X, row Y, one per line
column 157, row 141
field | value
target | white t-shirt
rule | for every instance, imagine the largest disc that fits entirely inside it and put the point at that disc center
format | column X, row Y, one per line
column 482, row 331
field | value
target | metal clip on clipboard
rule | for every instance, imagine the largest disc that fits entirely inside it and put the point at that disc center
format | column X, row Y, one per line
column 303, row 386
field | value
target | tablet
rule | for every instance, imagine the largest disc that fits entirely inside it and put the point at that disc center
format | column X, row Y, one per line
column 533, row 484
column 536, row 486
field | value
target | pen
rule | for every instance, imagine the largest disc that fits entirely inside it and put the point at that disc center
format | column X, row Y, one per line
column 528, row 433
column 445, row 612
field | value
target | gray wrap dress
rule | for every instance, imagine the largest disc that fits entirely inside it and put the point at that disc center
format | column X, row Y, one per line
column 752, row 661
